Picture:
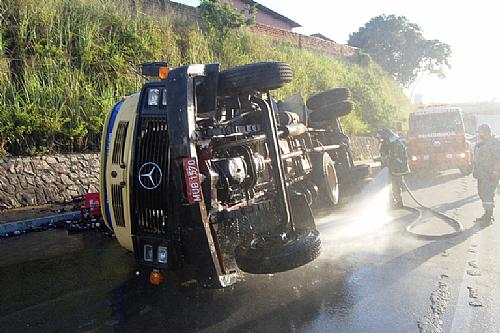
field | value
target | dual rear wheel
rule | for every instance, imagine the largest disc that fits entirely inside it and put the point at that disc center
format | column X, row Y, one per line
column 329, row 105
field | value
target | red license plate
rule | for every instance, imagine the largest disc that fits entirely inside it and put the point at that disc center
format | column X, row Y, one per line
column 192, row 177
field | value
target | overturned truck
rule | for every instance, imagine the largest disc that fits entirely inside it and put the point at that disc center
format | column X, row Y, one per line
column 204, row 172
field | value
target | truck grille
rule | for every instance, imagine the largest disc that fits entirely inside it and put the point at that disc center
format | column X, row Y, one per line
column 119, row 146
column 151, row 195
column 440, row 145
column 117, row 202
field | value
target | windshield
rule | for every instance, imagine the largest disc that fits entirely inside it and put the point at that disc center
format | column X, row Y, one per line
column 436, row 123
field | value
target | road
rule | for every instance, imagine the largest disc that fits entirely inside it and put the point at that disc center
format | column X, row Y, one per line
column 372, row 276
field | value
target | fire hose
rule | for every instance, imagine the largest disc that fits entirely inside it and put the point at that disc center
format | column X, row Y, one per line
column 456, row 225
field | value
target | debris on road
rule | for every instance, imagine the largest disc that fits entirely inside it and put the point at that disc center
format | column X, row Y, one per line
column 473, row 264
column 474, row 272
column 88, row 218
column 476, row 304
column 432, row 322
column 473, row 292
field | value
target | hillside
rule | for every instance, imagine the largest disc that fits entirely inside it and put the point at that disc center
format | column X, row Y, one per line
column 63, row 64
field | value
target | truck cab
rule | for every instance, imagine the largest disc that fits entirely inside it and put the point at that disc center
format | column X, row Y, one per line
column 437, row 140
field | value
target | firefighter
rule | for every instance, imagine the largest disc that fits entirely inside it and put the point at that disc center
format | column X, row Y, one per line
column 393, row 155
column 486, row 170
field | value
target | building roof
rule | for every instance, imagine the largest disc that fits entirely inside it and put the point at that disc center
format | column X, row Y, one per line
column 318, row 35
column 272, row 13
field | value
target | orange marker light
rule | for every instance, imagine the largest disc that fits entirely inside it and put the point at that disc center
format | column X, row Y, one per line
column 163, row 72
column 155, row 278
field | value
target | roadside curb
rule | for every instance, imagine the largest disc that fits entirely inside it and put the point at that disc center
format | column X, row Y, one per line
column 10, row 227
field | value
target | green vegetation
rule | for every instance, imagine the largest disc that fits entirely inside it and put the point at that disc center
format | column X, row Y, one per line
column 64, row 63
column 400, row 48
column 219, row 21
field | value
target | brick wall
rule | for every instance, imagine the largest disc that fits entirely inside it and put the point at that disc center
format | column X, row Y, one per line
column 182, row 10
column 263, row 17
column 172, row 9
column 308, row 42
column 189, row 13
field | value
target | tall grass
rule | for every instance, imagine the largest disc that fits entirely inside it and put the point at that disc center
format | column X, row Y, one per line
column 69, row 62
column 64, row 63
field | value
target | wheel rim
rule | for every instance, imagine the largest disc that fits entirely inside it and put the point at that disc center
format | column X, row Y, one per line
column 332, row 181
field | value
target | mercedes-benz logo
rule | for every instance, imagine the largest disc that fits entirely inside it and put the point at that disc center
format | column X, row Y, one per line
column 150, row 175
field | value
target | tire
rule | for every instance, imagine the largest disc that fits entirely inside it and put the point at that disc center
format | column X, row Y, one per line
column 328, row 97
column 325, row 177
column 332, row 111
column 267, row 257
column 261, row 76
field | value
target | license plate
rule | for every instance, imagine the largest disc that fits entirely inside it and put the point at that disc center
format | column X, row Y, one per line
column 192, row 177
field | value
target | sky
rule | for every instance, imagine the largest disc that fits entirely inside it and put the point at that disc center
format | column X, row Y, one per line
column 471, row 28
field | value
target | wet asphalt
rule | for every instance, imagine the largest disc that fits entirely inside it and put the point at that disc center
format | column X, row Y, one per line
column 372, row 276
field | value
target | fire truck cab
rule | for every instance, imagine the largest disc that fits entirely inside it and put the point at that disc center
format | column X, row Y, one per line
column 437, row 140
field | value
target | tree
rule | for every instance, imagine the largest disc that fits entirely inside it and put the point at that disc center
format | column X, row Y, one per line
column 220, row 18
column 400, row 48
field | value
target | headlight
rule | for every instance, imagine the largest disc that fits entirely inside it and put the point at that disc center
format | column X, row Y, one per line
column 414, row 158
column 153, row 97
column 164, row 97
column 462, row 155
column 148, row 253
column 162, row 254
column 449, row 155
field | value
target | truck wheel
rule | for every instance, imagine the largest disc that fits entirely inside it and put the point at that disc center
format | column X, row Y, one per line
column 325, row 177
column 332, row 111
column 260, row 76
column 272, row 256
column 328, row 97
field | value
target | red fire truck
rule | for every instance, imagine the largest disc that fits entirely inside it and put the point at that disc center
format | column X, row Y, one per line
column 437, row 140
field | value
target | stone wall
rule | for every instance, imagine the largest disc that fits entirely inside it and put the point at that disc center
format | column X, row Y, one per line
column 26, row 181
column 40, row 180
column 364, row 148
